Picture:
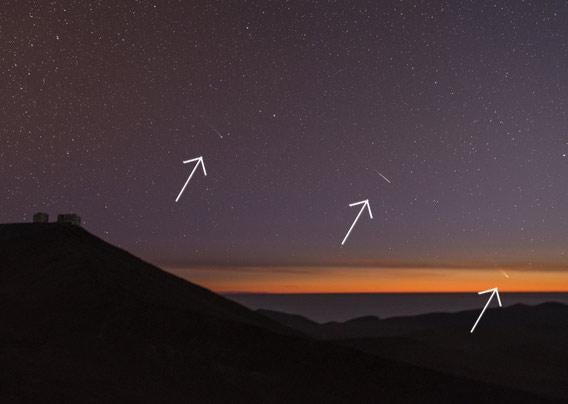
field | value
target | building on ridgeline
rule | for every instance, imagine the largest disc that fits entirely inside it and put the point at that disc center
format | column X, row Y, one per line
column 69, row 218
column 41, row 217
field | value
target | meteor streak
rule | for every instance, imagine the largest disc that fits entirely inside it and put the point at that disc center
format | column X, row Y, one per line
column 384, row 178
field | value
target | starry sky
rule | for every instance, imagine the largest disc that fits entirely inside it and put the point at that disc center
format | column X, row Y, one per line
column 297, row 109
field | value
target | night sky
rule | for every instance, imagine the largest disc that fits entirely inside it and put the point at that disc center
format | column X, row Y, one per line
column 296, row 107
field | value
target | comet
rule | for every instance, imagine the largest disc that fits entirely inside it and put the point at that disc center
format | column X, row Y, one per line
column 505, row 274
column 214, row 129
column 384, row 178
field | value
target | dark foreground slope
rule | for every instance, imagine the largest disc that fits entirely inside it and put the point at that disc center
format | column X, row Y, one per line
column 524, row 347
column 84, row 321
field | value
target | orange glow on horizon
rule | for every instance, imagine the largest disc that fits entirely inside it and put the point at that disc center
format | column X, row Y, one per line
column 373, row 280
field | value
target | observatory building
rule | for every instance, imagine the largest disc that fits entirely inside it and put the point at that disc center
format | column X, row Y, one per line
column 41, row 217
column 64, row 218
column 69, row 218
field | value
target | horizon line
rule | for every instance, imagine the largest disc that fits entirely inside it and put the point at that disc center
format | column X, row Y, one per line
column 389, row 292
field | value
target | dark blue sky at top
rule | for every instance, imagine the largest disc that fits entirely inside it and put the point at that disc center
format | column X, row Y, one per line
column 295, row 106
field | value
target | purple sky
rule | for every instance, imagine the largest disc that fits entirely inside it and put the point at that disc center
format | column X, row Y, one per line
column 295, row 106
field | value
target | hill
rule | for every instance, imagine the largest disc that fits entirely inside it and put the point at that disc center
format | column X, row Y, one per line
column 84, row 321
column 524, row 347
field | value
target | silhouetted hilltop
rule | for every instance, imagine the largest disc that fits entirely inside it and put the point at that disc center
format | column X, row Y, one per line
column 84, row 321
column 68, row 260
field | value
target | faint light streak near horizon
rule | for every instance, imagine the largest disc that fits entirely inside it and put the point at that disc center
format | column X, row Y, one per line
column 505, row 274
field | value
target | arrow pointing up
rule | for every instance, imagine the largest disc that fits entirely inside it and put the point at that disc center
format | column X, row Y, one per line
column 495, row 291
column 199, row 161
column 365, row 204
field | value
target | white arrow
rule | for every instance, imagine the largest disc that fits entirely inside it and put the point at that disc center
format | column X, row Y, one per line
column 495, row 291
column 199, row 161
column 365, row 204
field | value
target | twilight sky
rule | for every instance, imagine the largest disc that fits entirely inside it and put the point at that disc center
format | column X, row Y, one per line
column 296, row 106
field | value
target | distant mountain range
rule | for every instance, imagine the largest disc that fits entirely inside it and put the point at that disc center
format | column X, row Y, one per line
column 523, row 347
column 84, row 321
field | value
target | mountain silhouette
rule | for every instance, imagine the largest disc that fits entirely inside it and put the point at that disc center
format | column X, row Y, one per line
column 522, row 347
column 84, row 321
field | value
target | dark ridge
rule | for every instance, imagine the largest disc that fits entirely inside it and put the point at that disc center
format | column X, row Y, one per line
column 363, row 320
column 49, row 245
column 516, row 315
column 551, row 305
column 83, row 321
column 520, row 346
